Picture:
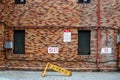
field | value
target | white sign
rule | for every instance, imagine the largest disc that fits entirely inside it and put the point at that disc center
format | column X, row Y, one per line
column 106, row 50
column 67, row 36
column 52, row 49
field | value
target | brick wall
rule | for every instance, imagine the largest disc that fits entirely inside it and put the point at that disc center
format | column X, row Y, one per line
column 44, row 22
column 37, row 41
column 2, row 56
column 60, row 12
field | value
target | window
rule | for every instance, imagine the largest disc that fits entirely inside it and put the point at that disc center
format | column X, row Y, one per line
column 83, row 1
column 0, row 1
column 19, row 41
column 20, row 1
column 118, row 36
column 84, row 42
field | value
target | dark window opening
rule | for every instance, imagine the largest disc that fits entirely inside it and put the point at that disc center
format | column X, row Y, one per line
column 84, row 42
column 20, row 1
column 0, row 1
column 118, row 36
column 83, row 1
column 19, row 41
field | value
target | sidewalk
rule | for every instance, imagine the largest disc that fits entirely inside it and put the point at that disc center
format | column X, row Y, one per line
column 36, row 75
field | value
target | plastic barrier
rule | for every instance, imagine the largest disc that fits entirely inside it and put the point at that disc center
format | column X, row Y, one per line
column 56, row 68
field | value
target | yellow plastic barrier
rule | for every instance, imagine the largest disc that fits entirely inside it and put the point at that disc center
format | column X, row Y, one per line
column 56, row 68
column 43, row 73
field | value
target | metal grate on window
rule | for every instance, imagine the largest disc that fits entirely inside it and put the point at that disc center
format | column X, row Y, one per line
column 20, row 1
column 84, row 42
column 83, row 1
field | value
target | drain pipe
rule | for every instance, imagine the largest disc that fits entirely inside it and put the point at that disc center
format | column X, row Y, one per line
column 98, row 36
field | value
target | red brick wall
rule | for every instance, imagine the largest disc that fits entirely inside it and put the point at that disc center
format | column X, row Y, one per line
column 56, row 14
column 60, row 12
column 110, row 11
column 37, row 41
column 2, row 55
column 50, row 12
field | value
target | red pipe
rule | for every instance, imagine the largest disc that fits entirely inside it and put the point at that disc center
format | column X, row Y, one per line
column 98, row 37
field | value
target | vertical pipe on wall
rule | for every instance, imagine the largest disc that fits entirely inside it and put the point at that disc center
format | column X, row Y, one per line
column 98, row 36
column 118, row 50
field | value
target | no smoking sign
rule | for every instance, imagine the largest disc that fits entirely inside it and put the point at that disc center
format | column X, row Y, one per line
column 106, row 50
column 52, row 49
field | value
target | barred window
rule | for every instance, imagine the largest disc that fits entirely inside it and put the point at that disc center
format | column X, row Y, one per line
column 19, row 41
column 20, row 1
column 83, row 1
column 84, row 42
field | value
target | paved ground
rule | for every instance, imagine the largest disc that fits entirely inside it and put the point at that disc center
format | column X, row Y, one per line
column 36, row 75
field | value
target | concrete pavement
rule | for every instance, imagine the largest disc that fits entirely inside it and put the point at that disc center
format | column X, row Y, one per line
column 36, row 75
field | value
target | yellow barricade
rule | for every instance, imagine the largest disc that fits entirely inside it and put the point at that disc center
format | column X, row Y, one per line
column 56, row 68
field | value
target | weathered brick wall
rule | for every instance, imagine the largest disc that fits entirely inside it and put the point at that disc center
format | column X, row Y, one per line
column 118, row 57
column 60, row 12
column 50, row 12
column 110, row 13
column 46, row 13
column 2, row 57
column 38, row 40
